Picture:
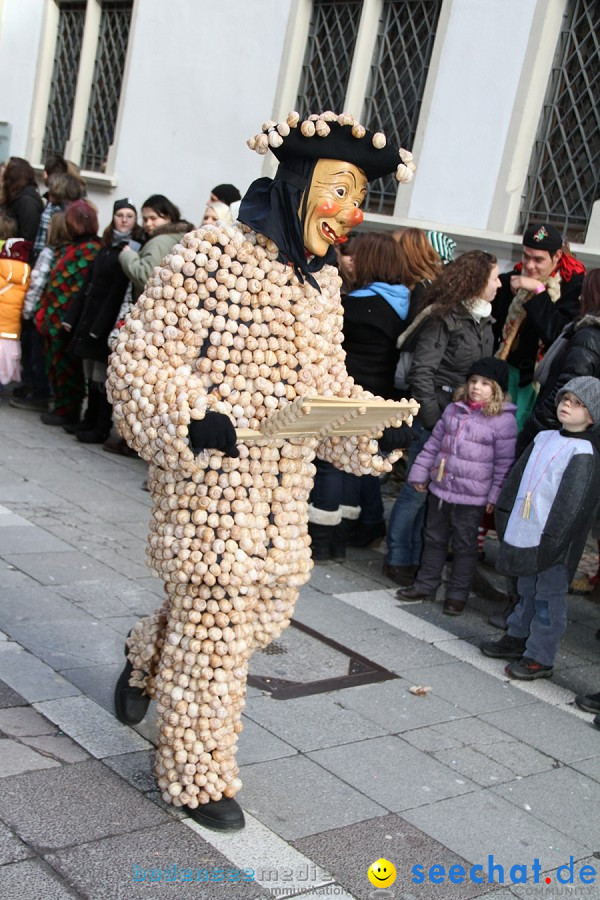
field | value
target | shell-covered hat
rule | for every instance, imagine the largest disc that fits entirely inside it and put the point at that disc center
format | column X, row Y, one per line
column 329, row 136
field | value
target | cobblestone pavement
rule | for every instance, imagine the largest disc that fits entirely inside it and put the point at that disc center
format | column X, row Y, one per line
column 341, row 763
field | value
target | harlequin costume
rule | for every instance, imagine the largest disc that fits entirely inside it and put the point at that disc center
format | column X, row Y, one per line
column 238, row 323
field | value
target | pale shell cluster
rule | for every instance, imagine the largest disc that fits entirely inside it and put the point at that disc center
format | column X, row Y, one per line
column 274, row 133
column 223, row 325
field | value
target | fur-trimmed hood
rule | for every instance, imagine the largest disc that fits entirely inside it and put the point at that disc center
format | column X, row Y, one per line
column 587, row 321
column 180, row 227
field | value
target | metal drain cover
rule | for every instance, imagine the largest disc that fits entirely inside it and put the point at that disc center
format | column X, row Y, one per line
column 303, row 662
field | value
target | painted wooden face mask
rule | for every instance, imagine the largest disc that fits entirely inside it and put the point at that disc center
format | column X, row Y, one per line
column 333, row 209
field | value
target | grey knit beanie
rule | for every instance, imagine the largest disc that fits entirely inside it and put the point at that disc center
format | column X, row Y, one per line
column 586, row 389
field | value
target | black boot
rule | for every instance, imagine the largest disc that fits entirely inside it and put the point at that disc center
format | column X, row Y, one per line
column 131, row 703
column 363, row 535
column 322, row 538
column 222, row 815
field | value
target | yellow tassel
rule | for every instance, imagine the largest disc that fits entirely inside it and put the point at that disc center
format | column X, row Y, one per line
column 441, row 467
column 526, row 506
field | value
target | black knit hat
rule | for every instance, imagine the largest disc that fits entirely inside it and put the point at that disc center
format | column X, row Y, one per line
column 125, row 203
column 226, row 193
column 492, row 368
column 543, row 237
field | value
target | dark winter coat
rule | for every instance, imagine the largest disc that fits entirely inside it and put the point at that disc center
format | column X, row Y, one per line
column 444, row 349
column 477, row 451
column 371, row 329
column 544, row 321
column 581, row 356
column 562, row 471
column 94, row 310
column 27, row 208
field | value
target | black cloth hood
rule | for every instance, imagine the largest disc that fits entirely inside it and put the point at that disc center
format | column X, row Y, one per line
column 270, row 207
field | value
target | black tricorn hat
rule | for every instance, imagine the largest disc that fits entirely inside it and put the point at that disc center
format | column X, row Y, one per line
column 328, row 136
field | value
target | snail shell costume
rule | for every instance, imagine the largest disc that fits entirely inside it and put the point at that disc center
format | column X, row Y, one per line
column 238, row 321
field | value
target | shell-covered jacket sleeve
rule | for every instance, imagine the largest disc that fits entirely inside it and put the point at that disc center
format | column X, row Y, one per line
column 505, row 440
column 420, row 472
column 155, row 386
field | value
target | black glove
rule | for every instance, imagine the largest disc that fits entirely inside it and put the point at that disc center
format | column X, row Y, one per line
column 214, row 432
column 395, row 438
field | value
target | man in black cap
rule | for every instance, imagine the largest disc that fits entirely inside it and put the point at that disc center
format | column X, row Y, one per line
column 536, row 300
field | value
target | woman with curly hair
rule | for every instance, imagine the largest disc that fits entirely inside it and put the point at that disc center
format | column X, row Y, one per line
column 452, row 330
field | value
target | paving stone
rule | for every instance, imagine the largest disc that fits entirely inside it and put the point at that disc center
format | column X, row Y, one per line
column 117, row 596
column 333, row 578
column 32, row 880
column 560, row 734
column 473, row 732
column 97, row 682
column 8, row 697
column 22, row 539
column 521, row 759
column 309, row 723
column 392, row 773
column 431, row 739
column 456, row 682
column 256, row 744
column 22, row 721
column 475, row 765
column 104, row 869
column 490, row 824
column 64, row 568
column 589, row 767
column 135, row 768
column 34, row 679
column 92, row 726
column 390, row 705
column 57, row 746
column 75, row 803
column 574, row 794
column 12, row 849
column 294, row 797
column 348, row 852
column 16, row 758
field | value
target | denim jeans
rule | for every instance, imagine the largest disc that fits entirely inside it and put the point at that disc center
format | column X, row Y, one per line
column 333, row 488
column 405, row 529
column 371, row 504
column 541, row 613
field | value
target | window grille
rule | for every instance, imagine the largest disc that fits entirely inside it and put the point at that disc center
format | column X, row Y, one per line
column 398, row 74
column 562, row 183
column 328, row 57
column 106, row 88
column 71, row 20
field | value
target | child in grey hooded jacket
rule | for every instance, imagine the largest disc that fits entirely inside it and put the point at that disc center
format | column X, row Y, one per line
column 543, row 515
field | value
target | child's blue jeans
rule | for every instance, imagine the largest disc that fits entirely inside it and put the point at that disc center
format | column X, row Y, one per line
column 541, row 613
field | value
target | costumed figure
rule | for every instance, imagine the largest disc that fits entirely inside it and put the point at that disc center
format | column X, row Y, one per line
column 238, row 323
column 535, row 302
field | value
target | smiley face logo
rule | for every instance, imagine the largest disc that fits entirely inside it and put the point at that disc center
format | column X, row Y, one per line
column 381, row 873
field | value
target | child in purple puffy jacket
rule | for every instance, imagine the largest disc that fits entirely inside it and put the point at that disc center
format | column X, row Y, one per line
column 463, row 464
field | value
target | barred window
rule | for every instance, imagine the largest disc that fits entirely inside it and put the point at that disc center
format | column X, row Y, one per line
column 106, row 88
column 328, row 58
column 398, row 74
column 562, row 183
column 64, row 77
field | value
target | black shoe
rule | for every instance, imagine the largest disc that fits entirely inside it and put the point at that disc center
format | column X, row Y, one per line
column 56, row 419
column 91, row 436
column 596, row 722
column 35, row 404
column 366, row 535
column 454, row 607
column 526, row 669
column 588, row 702
column 402, row 575
column 118, row 446
column 131, row 703
column 413, row 594
column 74, row 427
column 222, row 815
column 506, row 648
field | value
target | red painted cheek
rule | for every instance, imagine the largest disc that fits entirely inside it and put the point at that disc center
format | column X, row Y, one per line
column 328, row 208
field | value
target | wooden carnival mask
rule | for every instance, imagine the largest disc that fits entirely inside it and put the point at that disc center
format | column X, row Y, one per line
column 335, row 194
